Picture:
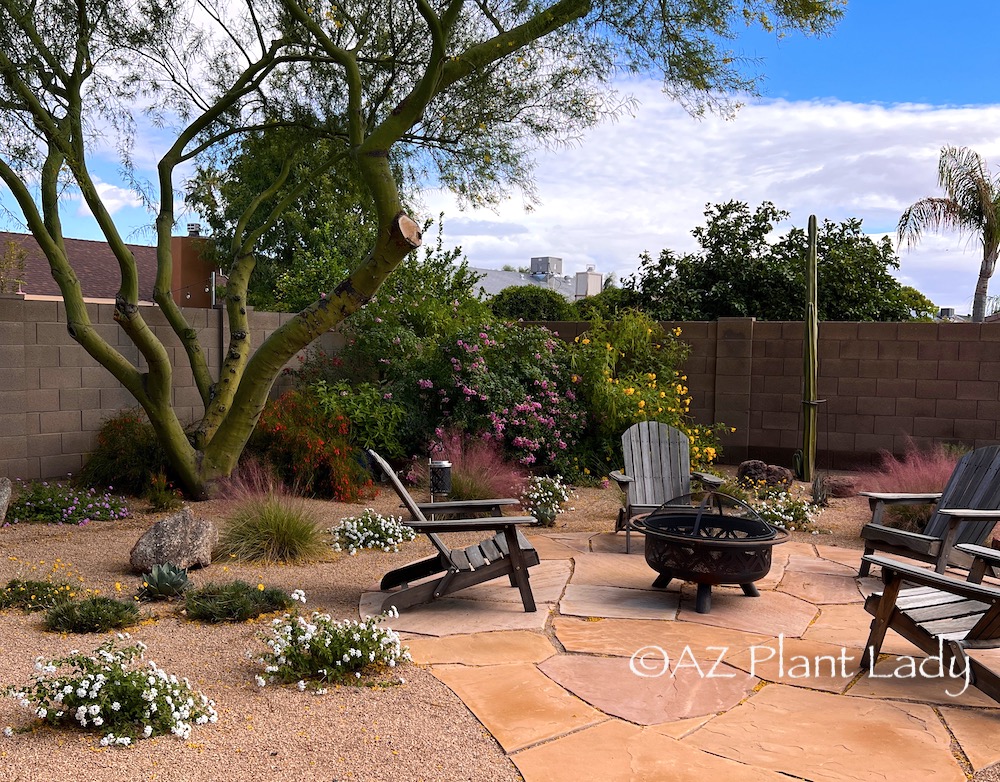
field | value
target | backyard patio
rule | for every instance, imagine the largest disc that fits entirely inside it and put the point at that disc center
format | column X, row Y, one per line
column 607, row 680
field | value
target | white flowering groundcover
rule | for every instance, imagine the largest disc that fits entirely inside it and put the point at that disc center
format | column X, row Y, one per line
column 319, row 650
column 370, row 530
column 108, row 693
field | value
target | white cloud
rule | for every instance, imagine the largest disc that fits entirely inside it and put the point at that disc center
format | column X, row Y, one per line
column 642, row 183
column 113, row 197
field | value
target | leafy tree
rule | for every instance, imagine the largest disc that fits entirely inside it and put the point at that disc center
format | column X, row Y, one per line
column 971, row 204
column 529, row 302
column 455, row 91
column 741, row 271
column 609, row 304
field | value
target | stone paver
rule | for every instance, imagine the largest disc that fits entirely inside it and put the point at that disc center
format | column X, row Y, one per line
column 451, row 616
column 548, row 579
column 849, row 625
column 618, row 752
column 819, row 736
column 851, row 557
column 618, row 603
column 771, row 614
column 682, row 690
column 620, row 570
column 800, row 663
column 505, row 646
column 976, row 732
column 517, row 703
column 919, row 679
column 625, row 638
column 550, row 548
column 622, row 694
column 812, row 564
column 820, row 588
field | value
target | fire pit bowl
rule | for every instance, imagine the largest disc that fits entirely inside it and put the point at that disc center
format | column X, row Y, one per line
column 709, row 538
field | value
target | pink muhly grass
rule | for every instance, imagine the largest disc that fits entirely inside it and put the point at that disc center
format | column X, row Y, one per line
column 919, row 471
column 478, row 468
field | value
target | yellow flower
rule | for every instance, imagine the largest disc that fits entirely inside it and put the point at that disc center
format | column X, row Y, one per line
column 642, row 403
column 629, row 391
column 585, row 341
column 260, row 587
column 118, row 586
column 677, row 331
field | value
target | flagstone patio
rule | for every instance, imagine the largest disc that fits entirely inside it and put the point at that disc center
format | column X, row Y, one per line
column 613, row 680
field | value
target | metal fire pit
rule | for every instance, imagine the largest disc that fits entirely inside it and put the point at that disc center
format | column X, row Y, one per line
column 709, row 538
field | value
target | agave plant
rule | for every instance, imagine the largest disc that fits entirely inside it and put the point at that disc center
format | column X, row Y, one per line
column 164, row 581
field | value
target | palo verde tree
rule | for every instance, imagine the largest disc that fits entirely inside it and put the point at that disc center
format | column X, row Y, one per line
column 454, row 91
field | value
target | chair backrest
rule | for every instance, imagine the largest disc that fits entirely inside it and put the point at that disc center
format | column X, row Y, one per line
column 974, row 484
column 406, row 499
column 657, row 457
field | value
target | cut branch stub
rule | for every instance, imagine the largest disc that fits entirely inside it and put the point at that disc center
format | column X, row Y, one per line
column 408, row 230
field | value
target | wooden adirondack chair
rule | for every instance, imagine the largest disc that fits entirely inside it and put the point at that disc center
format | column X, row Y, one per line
column 940, row 614
column 967, row 510
column 506, row 553
column 657, row 470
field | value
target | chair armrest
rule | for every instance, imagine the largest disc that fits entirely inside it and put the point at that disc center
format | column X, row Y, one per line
column 712, row 481
column 971, row 514
column 619, row 477
column 492, row 506
column 901, row 498
column 894, row 569
column 990, row 555
column 493, row 523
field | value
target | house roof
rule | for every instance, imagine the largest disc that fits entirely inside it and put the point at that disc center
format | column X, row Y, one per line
column 94, row 263
column 493, row 281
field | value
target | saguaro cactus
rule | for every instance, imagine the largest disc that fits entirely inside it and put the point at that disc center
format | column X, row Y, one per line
column 810, row 360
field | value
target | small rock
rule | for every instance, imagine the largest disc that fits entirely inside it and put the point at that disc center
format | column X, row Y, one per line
column 5, row 489
column 180, row 539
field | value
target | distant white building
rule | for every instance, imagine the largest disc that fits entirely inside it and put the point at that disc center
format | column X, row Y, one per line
column 545, row 272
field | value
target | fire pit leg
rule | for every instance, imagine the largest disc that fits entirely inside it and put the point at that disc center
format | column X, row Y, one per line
column 662, row 581
column 750, row 590
column 703, row 603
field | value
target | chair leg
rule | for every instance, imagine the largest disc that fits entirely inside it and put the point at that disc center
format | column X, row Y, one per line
column 866, row 567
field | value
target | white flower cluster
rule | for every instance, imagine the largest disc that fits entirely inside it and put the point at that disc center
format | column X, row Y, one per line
column 783, row 510
column 321, row 649
column 105, row 691
column 370, row 530
column 545, row 497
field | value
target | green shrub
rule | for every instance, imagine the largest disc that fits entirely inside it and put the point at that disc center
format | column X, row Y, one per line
column 529, row 302
column 32, row 595
column 323, row 651
column 376, row 421
column 56, row 503
column 95, row 614
column 309, row 449
column 778, row 507
column 370, row 530
column 162, row 495
column 235, row 601
column 271, row 527
column 107, row 693
column 127, row 456
column 629, row 371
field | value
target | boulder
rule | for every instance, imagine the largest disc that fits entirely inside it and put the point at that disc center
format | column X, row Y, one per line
column 840, row 486
column 5, row 489
column 758, row 473
column 180, row 539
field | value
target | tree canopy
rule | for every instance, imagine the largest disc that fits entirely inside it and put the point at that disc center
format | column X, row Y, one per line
column 741, row 270
column 451, row 92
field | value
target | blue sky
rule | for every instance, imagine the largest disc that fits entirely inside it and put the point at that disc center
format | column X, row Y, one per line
column 849, row 125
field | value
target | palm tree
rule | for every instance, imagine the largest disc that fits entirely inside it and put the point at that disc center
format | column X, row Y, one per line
column 971, row 205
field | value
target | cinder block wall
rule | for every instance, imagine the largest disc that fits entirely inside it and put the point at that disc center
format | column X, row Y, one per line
column 884, row 384
column 54, row 396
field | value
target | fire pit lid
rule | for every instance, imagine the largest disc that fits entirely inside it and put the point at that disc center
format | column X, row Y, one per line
column 709, row 514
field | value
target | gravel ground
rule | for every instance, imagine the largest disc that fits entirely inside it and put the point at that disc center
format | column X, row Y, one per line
column 416, row 730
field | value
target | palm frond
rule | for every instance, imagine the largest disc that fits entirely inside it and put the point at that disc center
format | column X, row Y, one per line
column 966, row 180
column 928, row 214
